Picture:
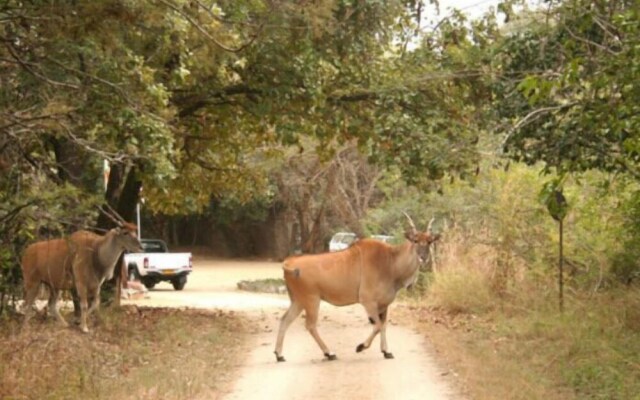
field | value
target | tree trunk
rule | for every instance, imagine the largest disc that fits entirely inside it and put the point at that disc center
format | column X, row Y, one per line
column 130, row 196
column 295, row 244
column 302, row 224
column 69, row 160
column 314, row 241
column 122, row 196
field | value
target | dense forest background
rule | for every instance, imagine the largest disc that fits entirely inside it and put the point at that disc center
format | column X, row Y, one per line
column 259, row 128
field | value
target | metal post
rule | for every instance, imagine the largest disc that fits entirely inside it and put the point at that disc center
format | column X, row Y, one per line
column 138, row 219
column 560, row 268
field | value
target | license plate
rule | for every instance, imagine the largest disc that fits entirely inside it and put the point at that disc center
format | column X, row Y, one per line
column 168, row 272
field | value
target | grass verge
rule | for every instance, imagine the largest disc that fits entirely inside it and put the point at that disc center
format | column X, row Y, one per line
column 523, row 348
column 133, row 353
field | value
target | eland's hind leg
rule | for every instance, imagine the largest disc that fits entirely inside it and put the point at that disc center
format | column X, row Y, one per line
column 311, row 310
column 289, row 316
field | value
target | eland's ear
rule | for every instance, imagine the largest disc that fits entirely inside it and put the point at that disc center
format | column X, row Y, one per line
column 434, row 237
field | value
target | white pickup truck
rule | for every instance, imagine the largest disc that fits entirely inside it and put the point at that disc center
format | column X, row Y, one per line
column 156, row 264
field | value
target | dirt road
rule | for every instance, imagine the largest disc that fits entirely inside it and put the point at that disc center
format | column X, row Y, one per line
column 305, row 375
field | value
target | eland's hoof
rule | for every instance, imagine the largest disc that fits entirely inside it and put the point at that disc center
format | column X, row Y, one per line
column 330, row 357
column 360, row 348
column 388, row 355
column 279, row 357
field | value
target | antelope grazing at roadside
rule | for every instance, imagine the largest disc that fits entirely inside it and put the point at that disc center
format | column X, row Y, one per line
column 369, row 272
column 83, row 260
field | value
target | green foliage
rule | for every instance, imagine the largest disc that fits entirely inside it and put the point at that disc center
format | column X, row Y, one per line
column 186, row 91
column 567, row 87
column 626, row 260
column 496, row 223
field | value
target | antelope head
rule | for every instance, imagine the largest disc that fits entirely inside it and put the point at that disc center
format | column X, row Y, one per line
column 421, row 240
column 125, row 233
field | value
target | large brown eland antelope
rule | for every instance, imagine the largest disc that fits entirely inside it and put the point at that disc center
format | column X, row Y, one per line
column 83, row 260
column 369, row 272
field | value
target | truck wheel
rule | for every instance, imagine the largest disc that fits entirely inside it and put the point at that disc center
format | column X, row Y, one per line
column 148, row 284
column 179, row 282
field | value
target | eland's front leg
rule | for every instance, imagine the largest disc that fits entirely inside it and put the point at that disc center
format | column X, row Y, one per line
column 383, row 335
column 375, row 317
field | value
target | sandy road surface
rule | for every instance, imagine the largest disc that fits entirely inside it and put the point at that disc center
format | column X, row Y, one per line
column 305, row 375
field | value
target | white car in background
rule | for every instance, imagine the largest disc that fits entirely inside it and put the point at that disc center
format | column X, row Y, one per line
column 383, row 238
column 342, row 240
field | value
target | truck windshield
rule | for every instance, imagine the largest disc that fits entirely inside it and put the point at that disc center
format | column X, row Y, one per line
column 153, row 247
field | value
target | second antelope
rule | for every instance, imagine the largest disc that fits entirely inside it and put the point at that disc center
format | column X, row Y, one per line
column 369, row 272
column 83, row 261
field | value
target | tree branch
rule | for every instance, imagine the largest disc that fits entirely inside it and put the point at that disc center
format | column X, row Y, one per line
column 13, row 213
column 28, row 67
column 88, row 146
column 532, row 116
column 198, row 102
column 590, row 42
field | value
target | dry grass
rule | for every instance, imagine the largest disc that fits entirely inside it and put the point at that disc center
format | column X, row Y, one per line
column 460, row 272
column 134, row 353
column 503, row 337
column 451, row 289
column 482, row 361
